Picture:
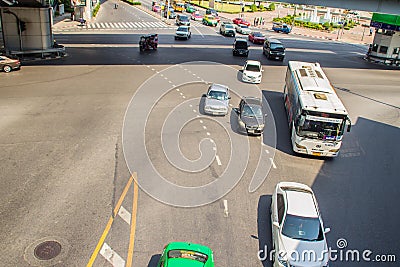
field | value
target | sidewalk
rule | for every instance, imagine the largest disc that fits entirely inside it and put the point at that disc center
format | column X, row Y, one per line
column 64, row 22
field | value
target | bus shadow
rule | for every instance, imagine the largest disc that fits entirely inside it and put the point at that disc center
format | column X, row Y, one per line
column 275, row 102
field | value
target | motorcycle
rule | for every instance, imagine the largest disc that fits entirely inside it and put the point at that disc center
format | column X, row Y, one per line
column 148, row 42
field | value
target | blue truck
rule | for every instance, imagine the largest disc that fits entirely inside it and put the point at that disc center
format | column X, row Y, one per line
column 281, row 27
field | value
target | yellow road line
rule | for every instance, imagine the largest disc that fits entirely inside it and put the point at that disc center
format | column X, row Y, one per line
column 109, row 223
column 133, row 224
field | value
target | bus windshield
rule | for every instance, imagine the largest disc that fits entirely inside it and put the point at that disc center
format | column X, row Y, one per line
column 322, row 130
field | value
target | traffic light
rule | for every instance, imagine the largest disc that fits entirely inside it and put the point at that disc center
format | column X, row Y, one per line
column 22, row 25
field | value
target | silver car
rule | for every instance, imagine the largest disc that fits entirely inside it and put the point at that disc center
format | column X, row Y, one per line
column 251, row 119
column 217, row 100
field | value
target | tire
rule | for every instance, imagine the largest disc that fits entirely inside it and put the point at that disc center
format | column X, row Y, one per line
column 7, row 68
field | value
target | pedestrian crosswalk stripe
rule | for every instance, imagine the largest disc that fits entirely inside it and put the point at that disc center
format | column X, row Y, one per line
column 130, row 24
column 140, row 25
column 120, row 24
column 125, row 25
column 102, row 25
column 153, row 24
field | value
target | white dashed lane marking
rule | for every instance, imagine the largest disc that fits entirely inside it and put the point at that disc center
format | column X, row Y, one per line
column 111, row 256
column 218, row 160
column 272, row 162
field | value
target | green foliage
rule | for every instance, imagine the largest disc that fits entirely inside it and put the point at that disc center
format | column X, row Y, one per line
column 271, row 7
column 253, row 8
column 134, row 3
column 96, row 9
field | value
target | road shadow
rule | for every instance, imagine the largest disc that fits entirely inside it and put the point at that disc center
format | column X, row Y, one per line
column 264, row 229
column 275, row 102
column 357, row 192
column 154, row 260
column 201, row 105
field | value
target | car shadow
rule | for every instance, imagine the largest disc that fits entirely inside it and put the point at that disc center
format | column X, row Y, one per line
column 201, row 105
column 264, row 230
column 154, row 260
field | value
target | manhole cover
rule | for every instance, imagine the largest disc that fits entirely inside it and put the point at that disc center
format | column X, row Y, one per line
column 47, row 250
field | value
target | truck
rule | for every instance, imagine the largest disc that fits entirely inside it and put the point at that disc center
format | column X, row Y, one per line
column 281, row 27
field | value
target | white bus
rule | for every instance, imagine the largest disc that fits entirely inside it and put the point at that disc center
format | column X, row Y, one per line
column 316, row 116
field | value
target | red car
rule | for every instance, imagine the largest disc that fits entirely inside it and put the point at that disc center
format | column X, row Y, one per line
column 156, row 8
column 241, row 21
column 257, row 38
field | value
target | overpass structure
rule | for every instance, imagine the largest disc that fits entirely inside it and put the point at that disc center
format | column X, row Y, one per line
column 27, row 24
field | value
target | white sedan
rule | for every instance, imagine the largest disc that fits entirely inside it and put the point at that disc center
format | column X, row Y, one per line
column 243, row 29
column 297, row 227
column 252, row 71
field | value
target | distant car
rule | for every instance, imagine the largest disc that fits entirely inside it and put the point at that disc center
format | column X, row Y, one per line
column 257, row 37
column 252, row 71
column 179, row 7
column 280, row 27
column 217, row 100
column 240, row 47
column 8, row 64
column 297, row 227
column 172, row 14
column 156, row 8
column 178, row 254
column 250, row 116
column 209, row 20
column 227, row 29
column 183, row 32
column 243, row 29
column 240, row 21
column 213, row 12
column 273, row 49
column 196, row 16
column 182, row 20
column 190, row 9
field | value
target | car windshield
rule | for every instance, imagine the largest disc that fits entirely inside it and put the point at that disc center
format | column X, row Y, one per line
column 183, row 29
column 241, row 45
column 251, row 67
column 217, row 95
column 258, row 34
column 211, row 17
column 244, row 26
column 228, row 26
column 187, row 254
column 276, row 46
column 302, row 228
column 319, row 130
column 183, row 18
column 252, row 111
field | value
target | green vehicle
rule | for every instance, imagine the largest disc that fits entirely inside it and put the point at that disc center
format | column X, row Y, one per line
column 210, row 20
column 182, row 254
column 190, row 9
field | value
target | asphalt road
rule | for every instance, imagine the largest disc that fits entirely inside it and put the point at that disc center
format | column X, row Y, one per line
column 63, row 170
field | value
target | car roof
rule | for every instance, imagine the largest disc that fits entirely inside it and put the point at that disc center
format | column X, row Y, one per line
column 251, row 100
column 189, row 246
column 253, row 62
column 219, row 87
column 272, row 40
column 240, row 40
column 183, row 26
column 301, row 203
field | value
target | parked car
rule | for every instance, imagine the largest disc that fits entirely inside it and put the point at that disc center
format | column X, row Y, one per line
column 183, row 32
column 196, row 16
column 252, row 71
column 8, row 64
column 182, row 20
column 156, row 8
column 240, row 47
column 241, row 21
column 177, row 254
column 209, row 20
column 243, row 29
column 227, row 29
column 257, row 37
column 250, row 116
column 273, row 49
column 217, row 100
column 280, row 27
column 297, row 226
